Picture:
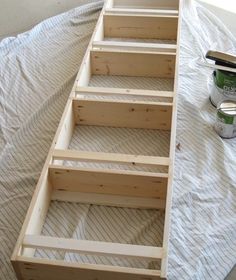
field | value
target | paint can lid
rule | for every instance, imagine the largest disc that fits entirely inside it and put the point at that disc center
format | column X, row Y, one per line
column 227, row 107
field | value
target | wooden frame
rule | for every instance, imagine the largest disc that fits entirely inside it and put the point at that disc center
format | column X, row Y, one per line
column 121, row 19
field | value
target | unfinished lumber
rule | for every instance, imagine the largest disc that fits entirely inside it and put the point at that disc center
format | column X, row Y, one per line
column 132, row 38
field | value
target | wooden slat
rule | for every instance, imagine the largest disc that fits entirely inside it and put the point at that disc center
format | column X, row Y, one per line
column 115, row 182
column 149, row 115
column 140, row 26
column 93, row 247
column 110, row 157
column 134, row 64
column 121, row 91
column 215, row 66
column 147, row 4
column 134, row 46
column 134, row 11
column 44, row 269
column 66, row 131
column 39, row 212
column 166, row 236
column 109, row 200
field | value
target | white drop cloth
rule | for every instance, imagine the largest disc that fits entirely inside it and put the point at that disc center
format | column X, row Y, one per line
column 37, row 71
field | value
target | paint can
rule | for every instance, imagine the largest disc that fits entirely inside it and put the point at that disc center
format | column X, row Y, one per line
column 224, row 87
column 225, row 124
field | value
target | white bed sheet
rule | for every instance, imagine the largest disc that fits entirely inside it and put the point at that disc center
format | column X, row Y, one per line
column 37, row 71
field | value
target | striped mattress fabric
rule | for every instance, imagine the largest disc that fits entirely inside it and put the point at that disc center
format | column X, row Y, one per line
column 37, row 71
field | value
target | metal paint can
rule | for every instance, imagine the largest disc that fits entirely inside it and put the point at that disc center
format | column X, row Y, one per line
column 225, row 124
column 224, row 87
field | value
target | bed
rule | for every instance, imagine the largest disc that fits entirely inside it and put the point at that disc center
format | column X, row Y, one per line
column 38, row 69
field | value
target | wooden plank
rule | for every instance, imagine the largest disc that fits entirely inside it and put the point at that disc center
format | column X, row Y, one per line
column 39, row 212
column 99, row 34
column 149, row 115
column 84, row 78
column 151, row 12
column 140, row 26
column 124, row 91
column 90, row 247
column 159, row 65
column 110, row 157
column 166, row 236
column 215, row 66
column 109, row 200
column 67, row 129
column 147, row 4
column 115, row 182
column 134, row 46
column 44, row 269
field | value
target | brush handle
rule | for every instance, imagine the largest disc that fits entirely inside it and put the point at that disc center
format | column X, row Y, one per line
column 218, row 67
column 221, row 58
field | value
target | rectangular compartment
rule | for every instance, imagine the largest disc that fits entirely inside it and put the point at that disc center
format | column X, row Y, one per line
column 45, row 252
column 153, row 72
column 114, row 230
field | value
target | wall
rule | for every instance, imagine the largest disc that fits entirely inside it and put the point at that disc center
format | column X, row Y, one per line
column 223, row 9
column 17, row 16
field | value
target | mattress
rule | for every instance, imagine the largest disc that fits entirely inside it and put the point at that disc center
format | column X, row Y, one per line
column 37, row 72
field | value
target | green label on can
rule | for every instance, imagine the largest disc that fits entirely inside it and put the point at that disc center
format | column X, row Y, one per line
column 225, row 80
column 224, row 118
